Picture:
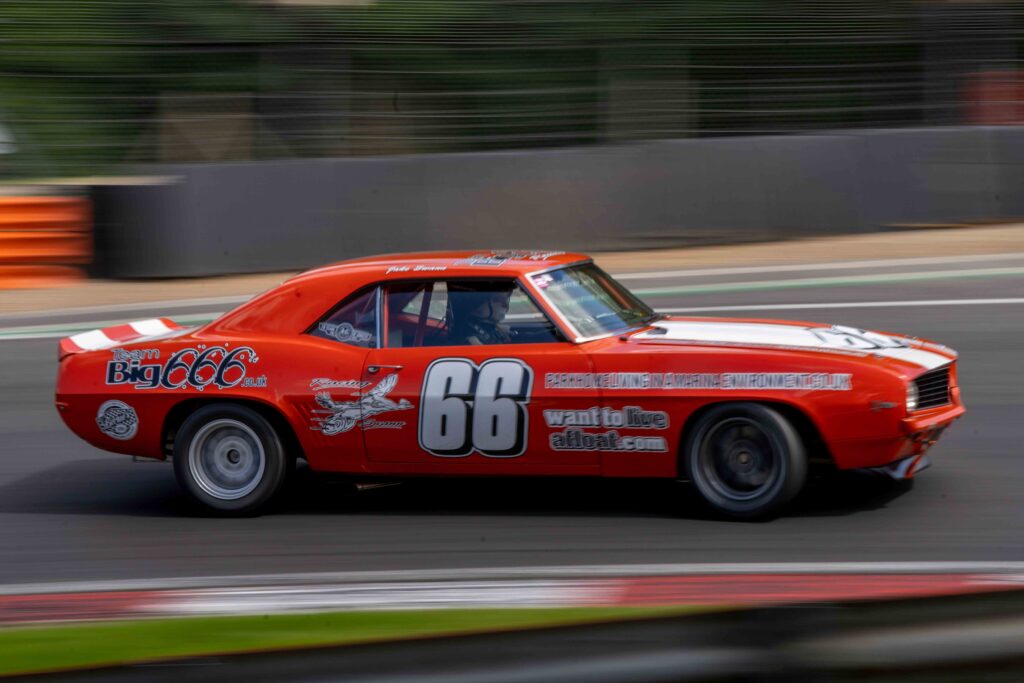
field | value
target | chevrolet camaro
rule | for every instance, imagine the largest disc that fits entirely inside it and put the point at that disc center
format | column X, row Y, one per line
column 501, row 363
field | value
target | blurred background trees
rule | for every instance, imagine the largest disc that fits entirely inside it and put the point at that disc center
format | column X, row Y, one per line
column 90, row 87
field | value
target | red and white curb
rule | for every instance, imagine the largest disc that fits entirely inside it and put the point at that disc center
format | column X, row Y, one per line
column 602, row 586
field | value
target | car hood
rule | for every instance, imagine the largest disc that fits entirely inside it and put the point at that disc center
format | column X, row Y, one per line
column 792, row 335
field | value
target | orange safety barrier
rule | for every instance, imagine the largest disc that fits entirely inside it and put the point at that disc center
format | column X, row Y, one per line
column 42, row 239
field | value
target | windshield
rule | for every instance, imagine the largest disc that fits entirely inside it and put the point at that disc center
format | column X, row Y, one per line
column 592, row 301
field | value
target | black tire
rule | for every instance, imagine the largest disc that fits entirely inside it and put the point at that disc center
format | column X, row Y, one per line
column 230, row 459
column 745, row 459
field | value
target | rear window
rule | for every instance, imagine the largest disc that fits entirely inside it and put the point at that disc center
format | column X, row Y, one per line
column 352, row 322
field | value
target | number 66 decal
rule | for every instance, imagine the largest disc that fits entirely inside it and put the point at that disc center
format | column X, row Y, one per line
column 466, row 408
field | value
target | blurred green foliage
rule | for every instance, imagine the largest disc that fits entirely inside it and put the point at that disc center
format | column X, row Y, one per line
column 48, row 648
column 89, row 85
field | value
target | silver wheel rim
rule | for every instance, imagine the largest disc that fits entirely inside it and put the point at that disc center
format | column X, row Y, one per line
column 739, row 461
column 226, row 459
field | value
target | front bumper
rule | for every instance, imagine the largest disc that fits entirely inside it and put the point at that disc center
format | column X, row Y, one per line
column 923, row 429
column 914, row 436
column 905, row 468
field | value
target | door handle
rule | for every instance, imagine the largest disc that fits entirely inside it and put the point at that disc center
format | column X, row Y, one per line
column 374, row 369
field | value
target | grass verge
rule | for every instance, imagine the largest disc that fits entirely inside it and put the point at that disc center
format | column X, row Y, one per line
column 34, row 649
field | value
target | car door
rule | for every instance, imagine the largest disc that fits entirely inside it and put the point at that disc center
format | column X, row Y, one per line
column 436, row 401
column 325, row 385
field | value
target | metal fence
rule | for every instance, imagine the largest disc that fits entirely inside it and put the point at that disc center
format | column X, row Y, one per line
column 92, row 87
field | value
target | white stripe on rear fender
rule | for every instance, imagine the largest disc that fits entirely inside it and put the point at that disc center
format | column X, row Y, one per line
column 151, row 327
column 92, row 341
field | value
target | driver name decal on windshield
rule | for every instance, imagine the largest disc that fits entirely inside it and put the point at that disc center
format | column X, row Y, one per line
column 727, row 381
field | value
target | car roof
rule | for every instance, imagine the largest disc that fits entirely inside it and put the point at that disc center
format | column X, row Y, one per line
column 476, row 262
column 298, row 302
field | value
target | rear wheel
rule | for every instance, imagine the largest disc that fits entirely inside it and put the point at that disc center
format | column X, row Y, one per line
column 229, row 459
column 745, row 459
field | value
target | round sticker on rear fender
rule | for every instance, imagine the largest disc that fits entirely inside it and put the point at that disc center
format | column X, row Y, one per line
column 117, row 420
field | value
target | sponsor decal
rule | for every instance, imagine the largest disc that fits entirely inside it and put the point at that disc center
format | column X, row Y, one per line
column 630, row 417
column 864, row 340
column 415, row 269
column 465, row 407
column 345, row 332
column 726, row 381
column 338, row 417
column 485, row 260
column 543, row 281
column 374, row 423
column 321, row 383
column 547, row 282
column 117, row 420
column 527, row 255
column 196, row 367
column 500, row 256
column 574, row 438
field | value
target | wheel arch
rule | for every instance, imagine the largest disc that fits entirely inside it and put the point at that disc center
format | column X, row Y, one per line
column 177, row 415
column 817, row 449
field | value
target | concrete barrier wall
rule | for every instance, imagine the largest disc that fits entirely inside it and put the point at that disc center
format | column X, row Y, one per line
column 234, row 218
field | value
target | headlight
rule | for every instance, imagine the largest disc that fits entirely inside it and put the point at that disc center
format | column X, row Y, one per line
column 911, row 397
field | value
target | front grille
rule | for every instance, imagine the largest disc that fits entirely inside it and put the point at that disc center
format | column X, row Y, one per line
column 933, row 388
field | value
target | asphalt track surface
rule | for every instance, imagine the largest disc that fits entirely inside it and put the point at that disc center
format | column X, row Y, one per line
column 71, row 512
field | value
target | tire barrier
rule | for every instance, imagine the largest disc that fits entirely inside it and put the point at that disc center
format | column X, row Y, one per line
column 43, row 240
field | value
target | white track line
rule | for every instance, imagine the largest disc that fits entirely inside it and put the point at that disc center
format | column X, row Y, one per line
column 834, row 265
column 138, row 306
column 838, row 265
column 848, row 304
column 62, row 330
column 483, row 573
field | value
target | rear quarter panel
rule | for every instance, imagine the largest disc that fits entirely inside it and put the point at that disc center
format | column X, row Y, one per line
column 278, row 373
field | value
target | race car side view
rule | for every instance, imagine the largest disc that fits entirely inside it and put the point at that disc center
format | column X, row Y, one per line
column 501, row 363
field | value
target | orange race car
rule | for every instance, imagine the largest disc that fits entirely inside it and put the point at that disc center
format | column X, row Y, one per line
column 501, row 363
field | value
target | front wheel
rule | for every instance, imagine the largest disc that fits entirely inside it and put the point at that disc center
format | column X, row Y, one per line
column 229, row 459
column 745, row 459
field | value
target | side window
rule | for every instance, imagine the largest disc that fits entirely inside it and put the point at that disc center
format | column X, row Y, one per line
column 464, row 313
column 417, row 314
column 354, row 322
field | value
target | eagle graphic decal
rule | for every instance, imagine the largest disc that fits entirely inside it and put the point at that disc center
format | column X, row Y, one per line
column 341, row 416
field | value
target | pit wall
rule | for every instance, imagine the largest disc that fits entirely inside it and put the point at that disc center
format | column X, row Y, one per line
column 199, row 220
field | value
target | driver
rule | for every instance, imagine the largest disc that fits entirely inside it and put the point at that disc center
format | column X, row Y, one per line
column 484, row 311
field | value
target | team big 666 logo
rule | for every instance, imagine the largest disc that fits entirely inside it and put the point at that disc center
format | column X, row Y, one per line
column 198, row 368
